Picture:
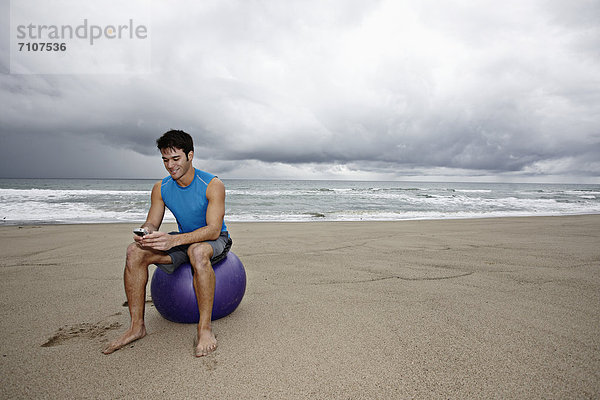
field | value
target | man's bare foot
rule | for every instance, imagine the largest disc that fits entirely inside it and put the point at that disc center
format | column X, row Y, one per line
column 127, row 337
column 205, row 343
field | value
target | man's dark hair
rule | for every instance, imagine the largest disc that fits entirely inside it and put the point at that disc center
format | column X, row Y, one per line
column 176, row 140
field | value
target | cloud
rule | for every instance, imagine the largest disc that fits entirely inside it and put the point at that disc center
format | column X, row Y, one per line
column 339, row 89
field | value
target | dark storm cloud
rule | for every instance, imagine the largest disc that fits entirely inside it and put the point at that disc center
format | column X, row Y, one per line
column 380, row 87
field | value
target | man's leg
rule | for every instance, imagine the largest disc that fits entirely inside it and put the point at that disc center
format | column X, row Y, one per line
column 136, row 279
column 204, row 285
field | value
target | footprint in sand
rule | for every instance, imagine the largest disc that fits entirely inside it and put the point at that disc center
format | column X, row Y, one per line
column 83, row 330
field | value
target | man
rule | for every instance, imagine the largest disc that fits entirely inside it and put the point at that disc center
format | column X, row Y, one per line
column 197, row 199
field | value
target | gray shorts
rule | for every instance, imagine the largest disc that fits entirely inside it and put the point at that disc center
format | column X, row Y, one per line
column 179, row 254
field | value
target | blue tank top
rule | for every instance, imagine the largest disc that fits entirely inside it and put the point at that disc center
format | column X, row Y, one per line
column 188, row 204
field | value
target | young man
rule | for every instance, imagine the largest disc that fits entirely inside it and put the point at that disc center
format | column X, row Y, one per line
column 197, row 199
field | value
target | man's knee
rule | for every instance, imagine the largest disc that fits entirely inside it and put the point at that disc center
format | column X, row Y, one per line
column 136, row 256
column 133, row 251
column 200, row 254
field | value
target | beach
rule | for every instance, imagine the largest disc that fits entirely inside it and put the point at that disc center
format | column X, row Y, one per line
column 465, row 308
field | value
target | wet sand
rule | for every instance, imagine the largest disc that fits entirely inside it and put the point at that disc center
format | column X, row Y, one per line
column 502, row 308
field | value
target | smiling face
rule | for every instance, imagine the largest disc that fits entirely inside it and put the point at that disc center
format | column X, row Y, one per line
column 177, row 164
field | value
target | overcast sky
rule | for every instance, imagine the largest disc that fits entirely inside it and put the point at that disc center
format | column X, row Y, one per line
column 347, row 89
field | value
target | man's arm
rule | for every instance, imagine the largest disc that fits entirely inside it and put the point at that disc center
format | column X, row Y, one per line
column 215, row 212
column 156, row 212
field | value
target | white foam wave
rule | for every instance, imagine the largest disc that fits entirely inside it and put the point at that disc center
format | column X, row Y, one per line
column 32, row 194
column 304, row 201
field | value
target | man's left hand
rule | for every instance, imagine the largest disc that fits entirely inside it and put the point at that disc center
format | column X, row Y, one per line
column 158, row 241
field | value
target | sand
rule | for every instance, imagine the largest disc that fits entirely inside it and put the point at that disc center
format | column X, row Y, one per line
column 486, row 308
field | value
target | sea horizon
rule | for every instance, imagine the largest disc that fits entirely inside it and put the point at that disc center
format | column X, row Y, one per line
column 405, row 180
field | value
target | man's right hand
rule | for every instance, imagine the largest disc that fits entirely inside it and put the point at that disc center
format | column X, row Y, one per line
column 157, row 240
column 138, row 239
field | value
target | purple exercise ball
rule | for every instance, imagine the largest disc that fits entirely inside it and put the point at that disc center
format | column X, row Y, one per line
column 175, row 299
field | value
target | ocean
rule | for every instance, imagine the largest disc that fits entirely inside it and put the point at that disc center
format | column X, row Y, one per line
column 74, row 201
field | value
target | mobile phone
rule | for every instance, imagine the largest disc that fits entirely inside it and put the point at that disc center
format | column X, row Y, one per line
column 140, row 231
